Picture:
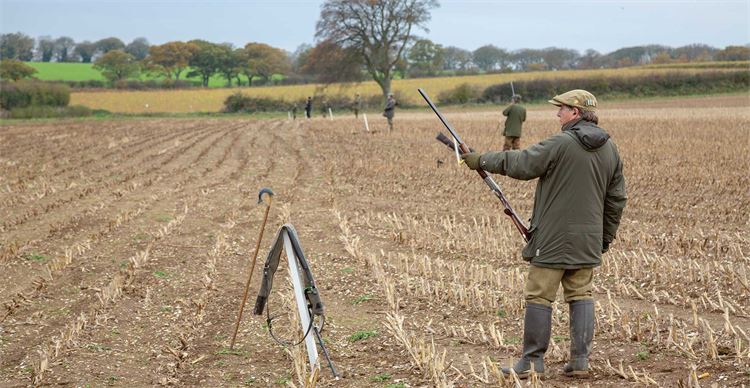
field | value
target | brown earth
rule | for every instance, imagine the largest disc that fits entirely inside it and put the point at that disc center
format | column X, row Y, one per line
column 126, row 245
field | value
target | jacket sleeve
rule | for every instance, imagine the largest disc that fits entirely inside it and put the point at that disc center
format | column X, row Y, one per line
column 506, row 111
column 614, row 203
column 532, row 162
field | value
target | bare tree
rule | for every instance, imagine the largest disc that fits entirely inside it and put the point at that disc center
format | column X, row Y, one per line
column 379, row 30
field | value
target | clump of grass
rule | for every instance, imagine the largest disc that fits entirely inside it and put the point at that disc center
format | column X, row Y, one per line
column 35, row 257
column 347, row 270
column 362, row 298
column 381, row 377
column 160, row 274
column 512, row 340
column 643, row 355
column 164, row 218
column 227, row 351
column 142, row 237
column 362, row 334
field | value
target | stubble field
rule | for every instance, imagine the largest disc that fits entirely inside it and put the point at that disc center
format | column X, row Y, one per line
column 126, row 244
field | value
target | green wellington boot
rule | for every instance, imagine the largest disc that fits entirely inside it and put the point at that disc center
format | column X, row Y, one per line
column 581, row 335
column 537, row 327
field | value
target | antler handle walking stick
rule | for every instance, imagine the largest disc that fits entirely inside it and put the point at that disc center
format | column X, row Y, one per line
column 255, row 257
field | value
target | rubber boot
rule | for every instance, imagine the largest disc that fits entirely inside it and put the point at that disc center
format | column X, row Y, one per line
column 537, row 327
column 581, row 335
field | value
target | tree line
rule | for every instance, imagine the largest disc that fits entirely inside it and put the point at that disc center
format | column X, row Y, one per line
column 423, row 57
column 356, row 39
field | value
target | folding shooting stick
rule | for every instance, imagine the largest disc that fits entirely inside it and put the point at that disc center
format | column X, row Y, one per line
column 487, row 179
column 255, row 256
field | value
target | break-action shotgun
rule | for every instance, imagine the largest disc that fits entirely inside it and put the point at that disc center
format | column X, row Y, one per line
column 487, row 179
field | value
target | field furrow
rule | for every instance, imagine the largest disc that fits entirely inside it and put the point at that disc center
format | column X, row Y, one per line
column 126, row 246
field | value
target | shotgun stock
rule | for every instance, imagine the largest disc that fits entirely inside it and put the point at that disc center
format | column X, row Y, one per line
column 463, row 148
column 448, row 142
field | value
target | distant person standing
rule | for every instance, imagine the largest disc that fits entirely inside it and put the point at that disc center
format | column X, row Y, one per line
column 308, row 107
column 294, row 111
column 515, row 115
column 357, row 105
column 390, row 110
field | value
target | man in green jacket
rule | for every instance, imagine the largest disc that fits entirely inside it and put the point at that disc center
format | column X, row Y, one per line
column 578, row 203
column 516, row 115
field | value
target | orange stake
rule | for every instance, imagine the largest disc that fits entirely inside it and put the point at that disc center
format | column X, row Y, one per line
column 255, row 257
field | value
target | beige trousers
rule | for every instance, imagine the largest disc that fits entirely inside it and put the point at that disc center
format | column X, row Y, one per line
column 512, row 142
column 542, row 284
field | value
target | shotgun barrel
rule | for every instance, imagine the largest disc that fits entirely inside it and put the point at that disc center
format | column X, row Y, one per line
column 463, row 148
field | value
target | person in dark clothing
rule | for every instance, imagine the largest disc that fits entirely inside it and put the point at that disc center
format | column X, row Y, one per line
column 579, row 200
column 390, row 110
column 308, row 107
column 357, row 105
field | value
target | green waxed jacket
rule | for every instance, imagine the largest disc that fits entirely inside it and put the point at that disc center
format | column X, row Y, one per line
column 516, row 116
column 579, row 198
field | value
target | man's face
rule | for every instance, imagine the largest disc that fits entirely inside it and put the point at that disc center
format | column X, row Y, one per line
column 566, row 114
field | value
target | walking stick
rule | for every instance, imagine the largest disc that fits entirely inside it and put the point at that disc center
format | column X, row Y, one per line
column 255, row 256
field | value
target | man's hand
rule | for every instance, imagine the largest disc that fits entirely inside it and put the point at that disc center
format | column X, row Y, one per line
column 605, row 246
column 472, row 160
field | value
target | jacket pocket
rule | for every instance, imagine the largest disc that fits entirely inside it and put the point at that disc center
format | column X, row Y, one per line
column 530, row 250
column 584, row 243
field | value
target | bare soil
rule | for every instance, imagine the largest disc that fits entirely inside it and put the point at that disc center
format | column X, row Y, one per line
column 126, row 245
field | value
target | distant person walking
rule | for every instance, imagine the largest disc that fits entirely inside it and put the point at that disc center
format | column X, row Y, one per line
column 308, row 107
column 390, row 110
column 515, row 115
column 357, row 105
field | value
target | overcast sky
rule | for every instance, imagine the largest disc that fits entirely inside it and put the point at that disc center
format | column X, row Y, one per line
column 604, row 25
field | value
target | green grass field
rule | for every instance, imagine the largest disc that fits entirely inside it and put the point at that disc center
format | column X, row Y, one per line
column 54, row 71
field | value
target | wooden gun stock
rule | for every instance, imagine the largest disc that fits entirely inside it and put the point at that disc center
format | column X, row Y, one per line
column 448, row 142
